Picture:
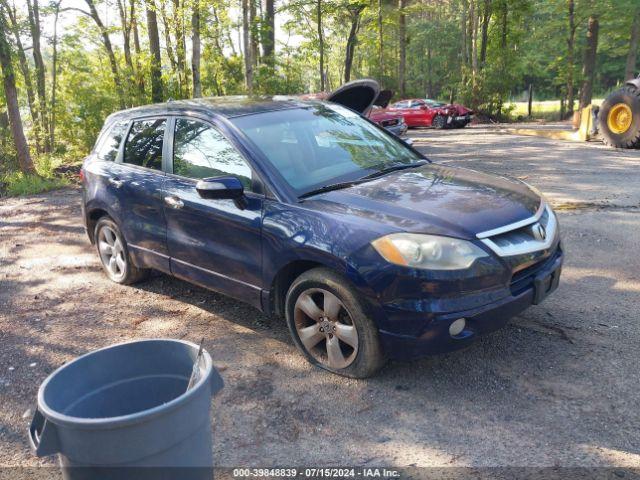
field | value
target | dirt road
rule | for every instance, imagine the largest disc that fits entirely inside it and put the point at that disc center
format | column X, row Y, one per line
column 559, row 386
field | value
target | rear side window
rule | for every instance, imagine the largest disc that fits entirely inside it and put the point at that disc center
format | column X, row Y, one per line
column 201, row 151
column 107, row 149
column 144, row 143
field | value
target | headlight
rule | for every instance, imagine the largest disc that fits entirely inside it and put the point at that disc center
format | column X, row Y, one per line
column 430, row 252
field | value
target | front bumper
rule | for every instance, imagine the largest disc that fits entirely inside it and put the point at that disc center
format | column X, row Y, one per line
column 435, row 338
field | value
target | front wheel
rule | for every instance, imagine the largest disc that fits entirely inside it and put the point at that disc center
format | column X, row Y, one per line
column 439, row 122
column 619, row 118
column 328, row 322
column 114, row 254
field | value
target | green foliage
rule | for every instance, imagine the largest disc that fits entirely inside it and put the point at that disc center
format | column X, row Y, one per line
column 19, row 183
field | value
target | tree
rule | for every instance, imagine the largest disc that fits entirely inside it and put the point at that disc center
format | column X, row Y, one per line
column 402, row 47
column 93, row 13
column 26, row 72
column 269, row 32
column 11, row 96
column 630, row 68
column 589, row 67
column 195, row 42
column 34, row 24
column 320, row 43
column 248, row 47
column 355, row 10
column 571, row 40
column 154, row 48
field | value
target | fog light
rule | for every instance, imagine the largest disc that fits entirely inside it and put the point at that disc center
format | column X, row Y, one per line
column 457, row 327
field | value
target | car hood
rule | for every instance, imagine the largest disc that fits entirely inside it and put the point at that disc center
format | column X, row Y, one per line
column 358, row 95
column 435, row 199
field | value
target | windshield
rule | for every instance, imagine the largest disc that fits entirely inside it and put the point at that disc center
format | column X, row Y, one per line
column 434, row 103
column 322, row 144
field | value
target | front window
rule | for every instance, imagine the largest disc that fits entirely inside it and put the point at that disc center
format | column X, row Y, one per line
column 201, row 151
column 323, row 144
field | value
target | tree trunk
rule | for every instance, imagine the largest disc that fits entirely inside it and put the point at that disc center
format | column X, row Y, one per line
column 588, row 70
column 253, row 33
column 107, row 46
column 571, row 41
column 246, row 44
column 54, row 77
column 380, row 43
column 354, row 13
column 195, row 57
column 402, row 45
column 463, row 29
column 630, row 70
column 136, row 46
column 34, row 24
column 505, row 24
column 167, row 37
column 181, row 53
column 486, row 17
column 11, row 95
column 26, row 73
column 320, row 43
column 154, row 47
column 269, row 32
column 126, row 34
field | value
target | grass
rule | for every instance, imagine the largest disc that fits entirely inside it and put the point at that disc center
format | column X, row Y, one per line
column 16, row 183
column 546, row 110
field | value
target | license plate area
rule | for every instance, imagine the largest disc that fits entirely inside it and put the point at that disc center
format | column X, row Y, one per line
column 544, row 284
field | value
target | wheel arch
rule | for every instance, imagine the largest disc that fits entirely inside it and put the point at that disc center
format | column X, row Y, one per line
column 634, row 83
column 93, row 215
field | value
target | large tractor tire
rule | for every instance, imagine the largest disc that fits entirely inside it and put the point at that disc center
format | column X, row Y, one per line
column 619, row 118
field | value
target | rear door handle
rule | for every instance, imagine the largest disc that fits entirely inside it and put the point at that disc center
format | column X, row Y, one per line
column 116, row 182
column 174, row 202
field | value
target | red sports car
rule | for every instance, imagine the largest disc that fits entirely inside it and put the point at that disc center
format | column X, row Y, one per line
column 419, row 112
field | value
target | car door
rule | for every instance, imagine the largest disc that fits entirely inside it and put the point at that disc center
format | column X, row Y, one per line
column 138, row 177
column 212, row 242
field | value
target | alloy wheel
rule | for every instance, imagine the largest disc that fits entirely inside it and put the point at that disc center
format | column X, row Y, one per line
column 325, row 328
column 111, row 253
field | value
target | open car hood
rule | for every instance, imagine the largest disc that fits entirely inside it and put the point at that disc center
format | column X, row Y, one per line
column 358, row 95
column 384, row 97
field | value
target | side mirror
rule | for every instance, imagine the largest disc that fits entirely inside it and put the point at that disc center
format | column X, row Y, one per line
column 219, row 188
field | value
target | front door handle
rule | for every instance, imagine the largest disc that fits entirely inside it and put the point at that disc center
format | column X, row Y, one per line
column 174, row 202
column 116, row 182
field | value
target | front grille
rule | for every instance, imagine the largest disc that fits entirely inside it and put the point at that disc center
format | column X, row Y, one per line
column 530, row 235
column 523, row 279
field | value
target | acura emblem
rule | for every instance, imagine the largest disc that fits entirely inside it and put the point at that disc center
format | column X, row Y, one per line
column 538, row 231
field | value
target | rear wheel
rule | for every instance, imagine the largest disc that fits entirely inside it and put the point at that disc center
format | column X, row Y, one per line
column 114, row 254
column 328, row 322
column 439, row 122
column 619, row 118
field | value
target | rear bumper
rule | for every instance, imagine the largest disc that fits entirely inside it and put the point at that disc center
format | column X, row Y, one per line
column 435, row 338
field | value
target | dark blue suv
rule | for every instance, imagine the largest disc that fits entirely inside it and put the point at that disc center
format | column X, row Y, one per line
column 309, row 211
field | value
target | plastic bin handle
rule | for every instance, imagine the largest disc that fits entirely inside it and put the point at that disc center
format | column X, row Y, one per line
column 43, row 436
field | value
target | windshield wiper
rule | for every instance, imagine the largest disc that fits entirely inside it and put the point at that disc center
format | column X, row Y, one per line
column 379, row 173
column 394, row 168
column 328, row 188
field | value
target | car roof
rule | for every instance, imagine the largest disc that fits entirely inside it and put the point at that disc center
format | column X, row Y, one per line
column 229, row 107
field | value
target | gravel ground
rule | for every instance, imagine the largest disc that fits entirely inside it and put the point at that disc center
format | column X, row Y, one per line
column 559, row 386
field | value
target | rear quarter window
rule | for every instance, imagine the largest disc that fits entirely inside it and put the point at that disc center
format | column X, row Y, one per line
column 109, row 143
column 144, row 143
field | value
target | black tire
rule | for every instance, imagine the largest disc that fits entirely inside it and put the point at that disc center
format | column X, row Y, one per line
column 630, row 96
column 439, row 122
column 128, row 273
column 369, row 357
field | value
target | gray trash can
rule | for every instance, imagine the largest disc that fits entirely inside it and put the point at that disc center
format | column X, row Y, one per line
column 124, row 412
